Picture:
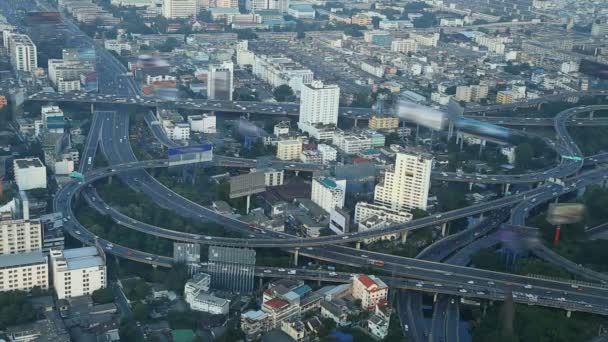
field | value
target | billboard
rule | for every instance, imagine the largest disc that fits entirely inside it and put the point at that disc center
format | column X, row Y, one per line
column 565, row 213
column 190, row 154
column 482, row 129
column 248, row 184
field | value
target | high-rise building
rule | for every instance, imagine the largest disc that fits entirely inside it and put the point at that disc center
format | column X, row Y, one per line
column 78, row 272
column 30, row 173
column 407, row 185
column 319, row 104
column 20, row 236
column 24, row 271
column 220, row 83
column 180, row 8
column 22, row 52
column 231, row 269
column 328, row 193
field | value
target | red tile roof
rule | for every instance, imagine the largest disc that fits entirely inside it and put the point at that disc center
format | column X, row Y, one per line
column 367, row 281
column 276, row 303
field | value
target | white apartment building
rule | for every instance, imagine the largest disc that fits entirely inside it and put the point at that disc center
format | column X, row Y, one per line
column 220, row 81
column 52, row 119
column 20, row 236
column 404, row 46
column 205, row 123
column 289, row 149
column 319, row 105
column 427, row 39
column 22, row 52
column 174, row 9
column 78, row 272
column 328, row 193
column 328, row 153
column 274, row 177
column 30, row 173
column 369, row 289
column 407, row 185
column 364, row 210
column 24, row 271
column 176, row 131
column 280, row 70
column 196, row 294
column 351, row 143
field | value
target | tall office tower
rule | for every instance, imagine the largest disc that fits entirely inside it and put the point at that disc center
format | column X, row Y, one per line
column 19, row 236
column 78, row 272
column 220, row 83
column 22, row 52
column 407, row 185
column 231, row 269
column 180, row 8
column 319, row 105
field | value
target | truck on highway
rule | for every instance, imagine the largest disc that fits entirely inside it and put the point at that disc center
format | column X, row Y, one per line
column 76, row 175
column 378, row 263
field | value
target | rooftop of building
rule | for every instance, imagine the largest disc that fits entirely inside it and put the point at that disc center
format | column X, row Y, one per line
column 254, row 315
column 276, row 303
column 28, row 162
column 13, row 260
column 85, row 257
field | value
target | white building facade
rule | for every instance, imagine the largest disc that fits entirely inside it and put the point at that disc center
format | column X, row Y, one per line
column 78, row 272
column 328, row 193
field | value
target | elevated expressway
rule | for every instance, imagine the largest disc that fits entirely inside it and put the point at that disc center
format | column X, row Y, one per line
column 337, row 254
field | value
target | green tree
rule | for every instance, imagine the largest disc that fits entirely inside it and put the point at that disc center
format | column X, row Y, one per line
column 283, row 93
column 169, row 45
column 103, row 296
column 524, row 153
column 246, row 34
column 141, row 312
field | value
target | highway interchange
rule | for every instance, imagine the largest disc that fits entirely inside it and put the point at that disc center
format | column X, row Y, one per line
column 111, row 131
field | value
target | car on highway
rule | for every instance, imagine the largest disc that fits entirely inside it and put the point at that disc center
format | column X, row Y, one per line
column 462, row 291
column 149, row 258
column 267, row 271
column 527, row 286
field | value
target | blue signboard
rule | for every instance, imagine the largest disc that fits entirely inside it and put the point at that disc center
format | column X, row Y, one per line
column 190, row 149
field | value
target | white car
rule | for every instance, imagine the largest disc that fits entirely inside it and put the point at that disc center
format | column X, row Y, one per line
column 267, row 271
column 527, row 286
column 149, row 258
column 462, row 291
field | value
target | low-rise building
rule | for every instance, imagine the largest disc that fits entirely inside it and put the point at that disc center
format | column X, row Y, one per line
column 328, row 193
column 311, row 157
column 30, row 173
column 370, row 289
column 24, row 271
column 78, row 272
column 328, row 153
column 205, row 123
column 380, row 122
column 289, row 149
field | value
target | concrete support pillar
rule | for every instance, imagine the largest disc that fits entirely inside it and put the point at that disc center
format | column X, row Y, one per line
column 481, row 217
column 356, row 122
column 110, row 180
column 461, row 144
column 319, row 282
column 470, row 187
column 260, row 282
column 539, row 106
column 591, row 113
column 248, row 204
column 92, row 108
column 154, row 266
column 435, row 298
column 295, row 257
column 358, row 245
column 568, row 313
column 444, row 229
column 404, row 237
column 507, row 186
column 297, row 173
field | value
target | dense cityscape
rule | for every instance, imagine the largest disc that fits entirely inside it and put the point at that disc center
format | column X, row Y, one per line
column 304, row 170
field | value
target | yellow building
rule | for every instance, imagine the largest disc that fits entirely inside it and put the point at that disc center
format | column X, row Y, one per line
column 383, row 122
column 289, row 149
column 504, row 97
